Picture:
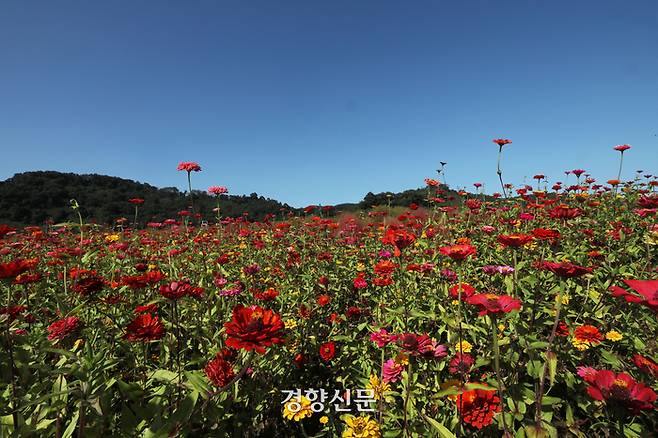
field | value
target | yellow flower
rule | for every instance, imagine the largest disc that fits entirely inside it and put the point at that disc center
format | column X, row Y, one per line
column 111, row 238
column 465, row 347
column 455, row 302
column 360, row 267
column 501, row 327
column 324, row 419
column 297, row 408
column 614, row 336
column 402, row 359
column 290, row 324
column 378, row 386
column 651, row 238
column 361, row 427
column 581, row 345
column 565, row 299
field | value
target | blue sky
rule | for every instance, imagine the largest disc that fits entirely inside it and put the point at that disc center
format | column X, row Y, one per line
column 322, row 101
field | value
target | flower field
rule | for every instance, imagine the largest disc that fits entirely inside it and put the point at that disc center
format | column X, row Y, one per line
column 532, row 313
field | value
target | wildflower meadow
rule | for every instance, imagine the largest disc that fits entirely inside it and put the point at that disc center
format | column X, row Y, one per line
column 532, row 312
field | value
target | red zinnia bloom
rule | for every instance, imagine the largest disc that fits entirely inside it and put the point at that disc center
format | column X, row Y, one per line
column 87, row 284
column 466, row 289
column 400, row 239
column 502, row 141
column 461, row 363
column 14, row 268
column 622, row 147
column 564, row 212
column 491, row 303
column 545, row 234
column 458, row 252
column 478, row 406
column 136, row 201
column 565, row 269
column 646, row 365
column 59, row 330
column 515, row 240
column 175, row 289
column 431, row 182
column 562, row 329
column 5, row 229
column 217, row 190
column 385, row 267
column 253, row 328
column 648, row 289
column 219, row 371
column 323, row 300
column 147, row 308
column 145, row 327
column 327, row 351
column 620, row 389
column 189, row 166
column 588, row 334
column 414, row 344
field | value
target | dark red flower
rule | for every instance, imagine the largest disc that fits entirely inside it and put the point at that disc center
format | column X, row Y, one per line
column 565, row 269
column 466, row 291
column 327, row 351
column 515, row 240
column 545, row 234
column 461, row 363
column 5, row 229
column 145, row 327
column 219, row 371
column 175, row 290
column 87, row 284
column 477, row 407
column 491, row 303
column 622, row 147
column 253, row 328
column 323, row 300
column 14, row 268
column 59, row 330
column 620, row 389
column 136, row 201
column 147, row 308
column 562, row 329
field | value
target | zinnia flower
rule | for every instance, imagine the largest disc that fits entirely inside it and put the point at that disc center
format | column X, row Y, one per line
column 515, row 240
column 189, row 166
column 586, row 336
column 145, row 327
column 327, row 351
column 297, row 408
column 565, row 269
column 219, row 371
column 361, row 427
column 59, row 330
column 478, row 406
column 458, row 252
column 646, row 365
column 491, row 303
column 620, row 389
column 648, row 290
column 378, row 386
column 217, row 190
column 253, row 328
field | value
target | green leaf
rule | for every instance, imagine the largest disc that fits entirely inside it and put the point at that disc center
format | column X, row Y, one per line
column 443, row 431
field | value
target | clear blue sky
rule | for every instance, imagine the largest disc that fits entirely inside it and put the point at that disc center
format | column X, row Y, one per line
column 322, row 101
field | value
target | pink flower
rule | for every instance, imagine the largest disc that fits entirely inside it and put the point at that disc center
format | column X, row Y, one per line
column 189, row 166
column 382, row 338
column 217, row 190
column 392, row 371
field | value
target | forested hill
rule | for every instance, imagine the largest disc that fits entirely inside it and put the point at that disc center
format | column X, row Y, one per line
column 34, row 197
column 31, row 198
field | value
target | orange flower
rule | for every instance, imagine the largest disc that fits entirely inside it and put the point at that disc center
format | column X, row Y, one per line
column 478, row 406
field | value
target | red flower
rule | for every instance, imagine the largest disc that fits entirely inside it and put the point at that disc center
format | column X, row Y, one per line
column 565, row 269
column 14, row 268
column 385, row 267
column 253, row 328
column 646, row 365
column 588, row 334
column 219, row 371
column 141, row 281
column 466, row 289
column 562, row 329
column 458, row 252
column 175, row 289
column 491, row 303
column 515, row 240
column 431, row 182
column 622, row 147
column 144, row 327
column 268, row 295
column 327, row 351
column 620, row 389
column 400, row 239
column 564, row 212
column 323, row 300
column 87, row 284
column 59, row 330
column 545, row 234
column 502, row 141
column 478, row 406
column 461, row 363
column 648, row 289
column 189, row 166
column 136, row 201
column 217, row 190
column 147, row 308
column 5, row 229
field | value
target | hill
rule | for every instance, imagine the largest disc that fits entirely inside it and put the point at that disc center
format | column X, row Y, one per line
column 32, row 198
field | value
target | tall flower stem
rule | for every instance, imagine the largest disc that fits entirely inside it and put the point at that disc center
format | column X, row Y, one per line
column 501, row 388
column 621, row 163
column 551, row 338
column 189, row 186
column 499, row 172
